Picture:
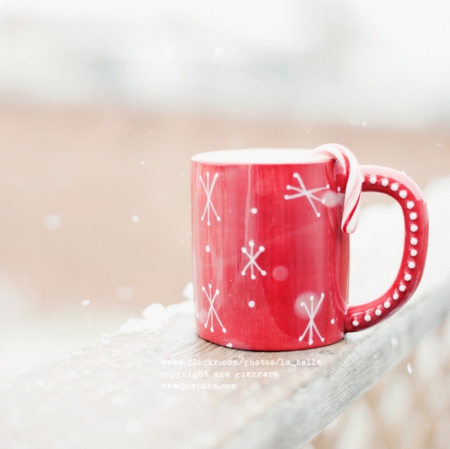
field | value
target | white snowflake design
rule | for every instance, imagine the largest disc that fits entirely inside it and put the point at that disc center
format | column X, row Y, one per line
column 212, row 311
column 303, row 191
column 208, row 191
column 312, row 312
column 252, row 260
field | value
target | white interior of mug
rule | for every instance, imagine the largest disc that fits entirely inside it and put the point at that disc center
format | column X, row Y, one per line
column 256, row 156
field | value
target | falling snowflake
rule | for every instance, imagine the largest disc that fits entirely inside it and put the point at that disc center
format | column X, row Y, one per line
column 312, row 312
column 303, row 191
column 252, row 260
column 208, row 191
column 212, row 311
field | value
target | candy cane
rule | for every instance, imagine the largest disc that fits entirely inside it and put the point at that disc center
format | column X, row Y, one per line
column 352, row 199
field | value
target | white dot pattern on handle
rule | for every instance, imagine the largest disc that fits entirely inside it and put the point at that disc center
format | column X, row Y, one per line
column 410, row 203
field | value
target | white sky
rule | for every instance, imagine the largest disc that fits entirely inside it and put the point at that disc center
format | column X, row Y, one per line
column 401, row 46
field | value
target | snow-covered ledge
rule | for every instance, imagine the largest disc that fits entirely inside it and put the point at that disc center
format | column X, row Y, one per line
column 115, row 392
column 110, row 393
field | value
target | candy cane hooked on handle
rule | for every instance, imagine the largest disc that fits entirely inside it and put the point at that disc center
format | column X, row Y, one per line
column 405, row 191
column 352, row 172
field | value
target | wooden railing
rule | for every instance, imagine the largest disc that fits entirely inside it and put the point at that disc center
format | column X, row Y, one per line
column 114, row 393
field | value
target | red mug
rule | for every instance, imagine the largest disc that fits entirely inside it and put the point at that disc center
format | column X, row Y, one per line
column 270, row 258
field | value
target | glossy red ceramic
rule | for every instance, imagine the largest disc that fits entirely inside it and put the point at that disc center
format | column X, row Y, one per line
column 271, row 264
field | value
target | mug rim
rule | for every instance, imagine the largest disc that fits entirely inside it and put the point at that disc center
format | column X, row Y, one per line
column 258, row 156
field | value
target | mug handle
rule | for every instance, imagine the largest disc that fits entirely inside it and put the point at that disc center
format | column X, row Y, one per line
column 406, row 192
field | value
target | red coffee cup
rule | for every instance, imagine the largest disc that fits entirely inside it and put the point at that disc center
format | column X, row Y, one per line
column 271, row 262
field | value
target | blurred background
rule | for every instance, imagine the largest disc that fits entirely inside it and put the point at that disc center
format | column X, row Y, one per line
column 102, row 104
